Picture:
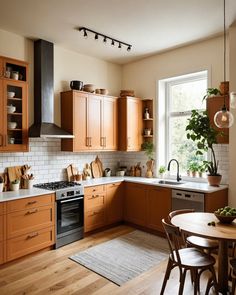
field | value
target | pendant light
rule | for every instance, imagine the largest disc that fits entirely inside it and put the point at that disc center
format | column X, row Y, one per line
column 223, row 118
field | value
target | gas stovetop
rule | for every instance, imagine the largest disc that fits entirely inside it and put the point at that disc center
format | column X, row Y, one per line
column 57, row 185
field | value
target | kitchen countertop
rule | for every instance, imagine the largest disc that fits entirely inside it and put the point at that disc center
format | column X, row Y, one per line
column 187, row 185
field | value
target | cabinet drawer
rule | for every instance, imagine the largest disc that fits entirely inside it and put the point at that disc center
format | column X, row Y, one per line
column 30, row 242
column 111, row 185
column 94, row 219
column 92, row 201
column 2, row 226
column 22, row 222
column 94, row 189
column 2, row 208
column 28, row 203
column 1, row 252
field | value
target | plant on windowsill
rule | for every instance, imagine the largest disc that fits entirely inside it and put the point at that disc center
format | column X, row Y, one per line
column 15, row 185
column 161, row 171
column 148, row 148
column 202, row 168
column 200, row 131
column 193, row 167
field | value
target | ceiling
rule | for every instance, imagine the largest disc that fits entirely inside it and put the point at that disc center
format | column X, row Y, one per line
column 151, row 26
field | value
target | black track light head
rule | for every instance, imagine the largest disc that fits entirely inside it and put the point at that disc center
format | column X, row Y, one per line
column 129, row 48
column 85, row 34
column 112, row 42
column 96, row 37
column 105, row 39
column 119, row 45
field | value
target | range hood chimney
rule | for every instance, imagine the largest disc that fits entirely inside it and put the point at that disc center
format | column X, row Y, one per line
column 44, row 95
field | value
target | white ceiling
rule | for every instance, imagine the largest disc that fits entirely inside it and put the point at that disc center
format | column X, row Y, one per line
column 151, row 26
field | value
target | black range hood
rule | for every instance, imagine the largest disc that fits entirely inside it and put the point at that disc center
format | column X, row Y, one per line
column 44, row 94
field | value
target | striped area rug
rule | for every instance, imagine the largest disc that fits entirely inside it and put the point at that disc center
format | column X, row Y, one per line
column 124, row 258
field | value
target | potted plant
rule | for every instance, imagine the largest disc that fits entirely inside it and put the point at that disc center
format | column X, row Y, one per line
column 148, row 148
column 1, row 183
column 161, row 171
column 202, row 168
column 193, row 167
column 211, row 92
column 15, row 185
column 199, row 130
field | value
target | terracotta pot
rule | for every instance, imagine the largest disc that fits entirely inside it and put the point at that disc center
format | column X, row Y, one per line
column 224, row 87
column 214, row 180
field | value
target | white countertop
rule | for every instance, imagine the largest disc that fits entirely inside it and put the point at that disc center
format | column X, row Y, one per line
column 188, row 186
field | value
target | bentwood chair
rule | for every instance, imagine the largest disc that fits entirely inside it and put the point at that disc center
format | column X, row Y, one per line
column 233, row 274
column 192, row 259
column 194, row 241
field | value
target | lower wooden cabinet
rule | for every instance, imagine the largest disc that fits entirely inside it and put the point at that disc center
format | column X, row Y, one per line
column 2, row 252
column 30, row 242
column 158, row 206
column 103, row 205
column 114, row 202
column 135, row 203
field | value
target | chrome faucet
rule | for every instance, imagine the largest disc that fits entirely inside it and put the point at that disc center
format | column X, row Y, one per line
column 168, row 168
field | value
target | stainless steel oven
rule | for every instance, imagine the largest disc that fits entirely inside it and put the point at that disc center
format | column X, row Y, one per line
column 69, row 215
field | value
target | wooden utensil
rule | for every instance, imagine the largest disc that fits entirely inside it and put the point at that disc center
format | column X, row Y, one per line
column 69, row 173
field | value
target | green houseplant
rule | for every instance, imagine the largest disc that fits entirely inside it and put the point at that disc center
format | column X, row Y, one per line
column 200, row 131
column 148, row 148
column 193, row 167
column 211, row 92
column 161, row 171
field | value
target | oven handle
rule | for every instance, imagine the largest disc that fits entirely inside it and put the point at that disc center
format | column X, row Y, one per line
column 71, row 200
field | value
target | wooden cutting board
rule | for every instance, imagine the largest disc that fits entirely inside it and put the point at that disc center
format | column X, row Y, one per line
column 100, row 166
column 95, row 169
column 69, row 173
column 14, row 173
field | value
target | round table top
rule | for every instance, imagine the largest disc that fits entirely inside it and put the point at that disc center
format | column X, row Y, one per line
column 197, row 223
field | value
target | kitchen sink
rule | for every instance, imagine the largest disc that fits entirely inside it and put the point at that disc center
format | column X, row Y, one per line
column 170, row 182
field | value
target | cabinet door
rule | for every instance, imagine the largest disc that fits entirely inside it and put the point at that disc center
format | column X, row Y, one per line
column 114, row 202
column 16, row 119
column 80, row 122
column 94, row 121
column 215, row 104
column 2, row 116
column 109, row 126
column 134, row 121
column 135, row 203
column 158, row 206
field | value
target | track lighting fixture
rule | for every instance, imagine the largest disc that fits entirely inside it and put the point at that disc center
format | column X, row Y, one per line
column 105, row 38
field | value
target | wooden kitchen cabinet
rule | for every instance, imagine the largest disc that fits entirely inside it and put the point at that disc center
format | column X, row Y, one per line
column 130, row 124
column 158, row 206
column 13, row 138
column 135, row 203
column 215, row 104
column 94, row 207
column 91, row 118
column 216, row 200
column 114, row 202
column 30, row 225
column 2, row 232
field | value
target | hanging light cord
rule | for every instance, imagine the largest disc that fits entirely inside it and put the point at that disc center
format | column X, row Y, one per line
column 224, row 52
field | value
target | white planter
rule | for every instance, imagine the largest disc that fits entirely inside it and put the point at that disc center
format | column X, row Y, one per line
column 29, row 183
column 1, row 186
column 15, row 186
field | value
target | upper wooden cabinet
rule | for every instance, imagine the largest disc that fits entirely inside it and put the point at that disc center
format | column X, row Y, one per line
column 13, row 105
column 130, row 124
column 215, row 104
column 91, row 118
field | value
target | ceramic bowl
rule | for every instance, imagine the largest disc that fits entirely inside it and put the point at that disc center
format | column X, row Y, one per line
column 10, row 94
column 11, row 125
column 225, row 219
column 11, row 109
column 89, row 88
column 104, row 91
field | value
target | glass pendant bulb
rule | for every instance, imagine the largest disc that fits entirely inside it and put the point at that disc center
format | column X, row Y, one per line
column 223, row 118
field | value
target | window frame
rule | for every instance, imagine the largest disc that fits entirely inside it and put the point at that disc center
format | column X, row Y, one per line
column 164, row 87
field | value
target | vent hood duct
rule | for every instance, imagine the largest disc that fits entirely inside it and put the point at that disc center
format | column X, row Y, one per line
column 44, row 94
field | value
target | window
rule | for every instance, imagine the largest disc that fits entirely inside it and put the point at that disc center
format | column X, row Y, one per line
column 182, row 94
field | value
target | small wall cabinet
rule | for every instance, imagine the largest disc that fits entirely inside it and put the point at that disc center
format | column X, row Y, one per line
column 13, row 105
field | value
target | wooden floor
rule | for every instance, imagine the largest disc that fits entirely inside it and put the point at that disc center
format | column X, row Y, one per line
column 53, row 273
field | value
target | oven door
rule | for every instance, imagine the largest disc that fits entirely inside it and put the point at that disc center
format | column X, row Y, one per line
column 70, row 214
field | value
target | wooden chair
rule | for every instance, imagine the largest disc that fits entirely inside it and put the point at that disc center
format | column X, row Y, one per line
column 233, row 274
column 185, row 259
column 194, row 241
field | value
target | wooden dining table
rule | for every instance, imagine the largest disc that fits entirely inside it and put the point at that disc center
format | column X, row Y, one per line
column 196, row 223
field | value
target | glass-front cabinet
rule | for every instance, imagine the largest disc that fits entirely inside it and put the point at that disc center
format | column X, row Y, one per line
column 13, row 105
